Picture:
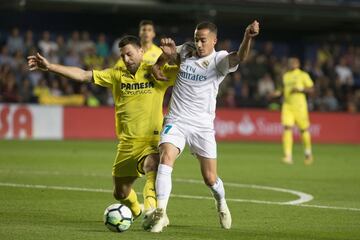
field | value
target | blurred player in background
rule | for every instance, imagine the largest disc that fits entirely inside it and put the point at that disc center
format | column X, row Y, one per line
column 296, row 84
column 192, row 111
column 138, row 109
column 146, row 35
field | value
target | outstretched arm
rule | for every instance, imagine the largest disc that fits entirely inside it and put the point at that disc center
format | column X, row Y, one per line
column 38, row 62
column 236, row 57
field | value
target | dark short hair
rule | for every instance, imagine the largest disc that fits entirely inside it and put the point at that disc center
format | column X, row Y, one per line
column 146, row 22
column 207, row 25
column 129, row 39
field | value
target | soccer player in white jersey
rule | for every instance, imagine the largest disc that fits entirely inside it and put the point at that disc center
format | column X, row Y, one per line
column 192, row 112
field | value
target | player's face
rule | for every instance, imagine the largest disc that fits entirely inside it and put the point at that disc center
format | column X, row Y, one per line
column 147, row 33
column 205, row 41
column 293, row 63
column 132, row 56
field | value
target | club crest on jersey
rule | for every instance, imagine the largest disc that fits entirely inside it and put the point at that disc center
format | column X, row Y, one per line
column 205, row 63
column 127, row 75
column 147, row 75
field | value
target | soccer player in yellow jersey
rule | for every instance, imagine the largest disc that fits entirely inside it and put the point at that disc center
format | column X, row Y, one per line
column 296, row 84
column 146, row 35
column 138, row 111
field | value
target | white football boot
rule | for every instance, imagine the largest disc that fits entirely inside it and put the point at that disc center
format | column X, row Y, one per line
column 148, row 220
column 160, row 220
column 287, row 160
column 224, row 215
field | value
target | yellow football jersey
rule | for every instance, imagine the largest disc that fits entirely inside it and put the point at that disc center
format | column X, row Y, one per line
column 138, row 100
column 296, row 79
column 149, row 57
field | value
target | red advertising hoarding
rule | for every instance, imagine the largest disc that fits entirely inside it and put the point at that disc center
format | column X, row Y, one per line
column 56, row 122
column 88, row 123
column 260, row 125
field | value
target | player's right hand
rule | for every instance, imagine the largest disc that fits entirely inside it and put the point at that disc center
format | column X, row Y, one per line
column 168, row 47
column 38, row 62
column 253, row 29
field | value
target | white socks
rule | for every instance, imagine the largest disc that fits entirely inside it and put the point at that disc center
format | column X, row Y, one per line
column 163, row 185
column 218, row 192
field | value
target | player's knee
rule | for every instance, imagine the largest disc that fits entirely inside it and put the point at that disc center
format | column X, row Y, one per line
column 151, row 164
column 168, row 154
column 121, row 193
column 166, row 158
column 210, row 179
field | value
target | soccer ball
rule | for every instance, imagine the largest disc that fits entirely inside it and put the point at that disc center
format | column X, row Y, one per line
column 118, row 217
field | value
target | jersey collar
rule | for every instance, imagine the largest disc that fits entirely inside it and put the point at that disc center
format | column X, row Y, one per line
column 295, row 70
column 150, row 48
column 205, row 61
column 141, row 67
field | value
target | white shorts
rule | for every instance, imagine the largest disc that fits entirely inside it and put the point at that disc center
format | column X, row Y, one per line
column 201, row 141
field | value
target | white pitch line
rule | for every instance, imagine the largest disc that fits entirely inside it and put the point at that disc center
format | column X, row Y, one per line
column 17, row 185
column 329, row 207
column 303, row 197
column 36, row 186
column 54, row 173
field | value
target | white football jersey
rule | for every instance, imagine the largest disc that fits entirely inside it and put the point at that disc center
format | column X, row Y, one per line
column 193, row 98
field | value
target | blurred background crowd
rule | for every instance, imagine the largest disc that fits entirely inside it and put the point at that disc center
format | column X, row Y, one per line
column 324, row 34
column 334, row 68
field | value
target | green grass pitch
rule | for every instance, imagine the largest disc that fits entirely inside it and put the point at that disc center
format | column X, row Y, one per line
column 32, row 208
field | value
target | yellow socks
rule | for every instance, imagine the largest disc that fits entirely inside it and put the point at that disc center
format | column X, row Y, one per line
column 305, row 135
column 149, row 196
column 149, row 191
column 132, row 202
column 287, row 142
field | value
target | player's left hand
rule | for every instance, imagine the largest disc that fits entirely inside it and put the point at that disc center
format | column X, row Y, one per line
column 253, row 29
